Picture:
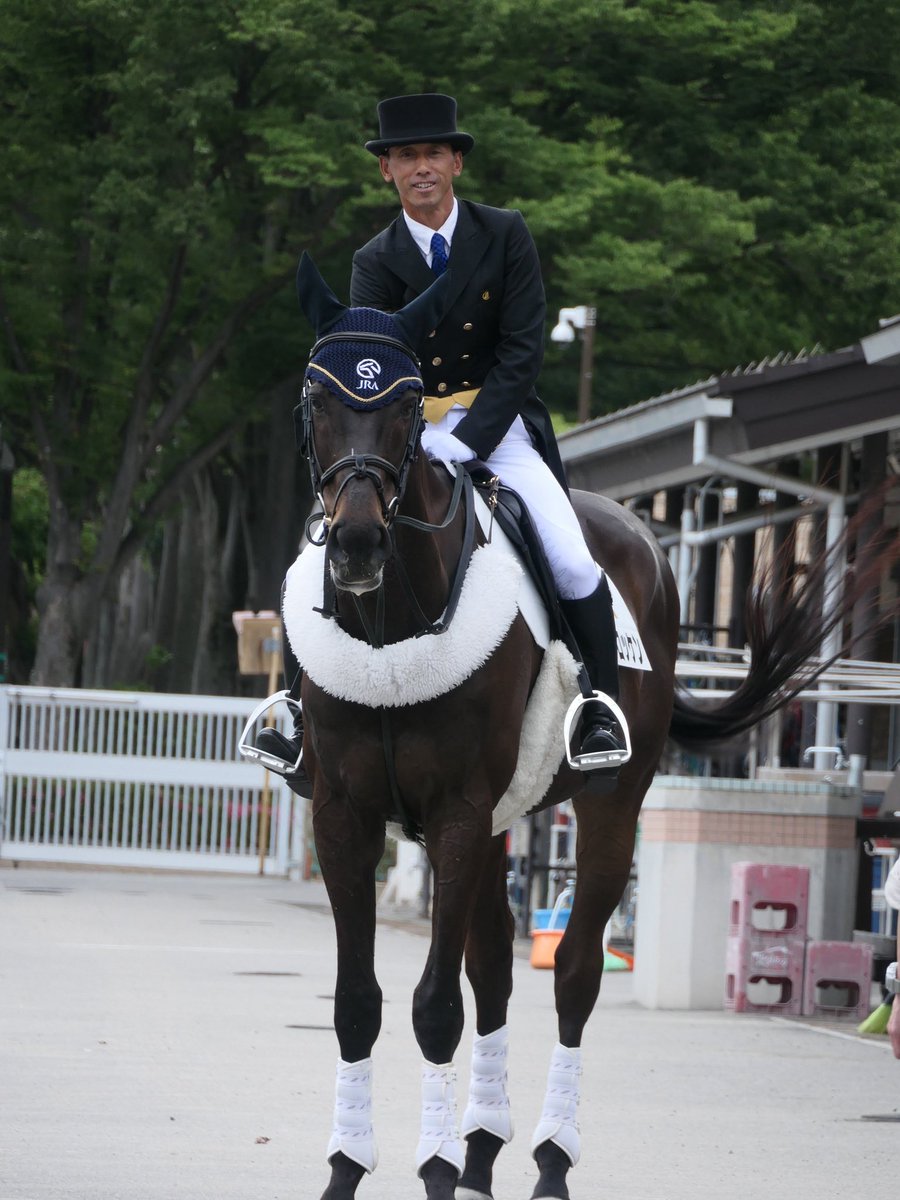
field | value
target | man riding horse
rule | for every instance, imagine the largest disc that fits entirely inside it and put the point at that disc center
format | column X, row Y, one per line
column 479, row 367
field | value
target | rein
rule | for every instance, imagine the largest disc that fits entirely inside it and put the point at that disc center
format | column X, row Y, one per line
column 462, row 491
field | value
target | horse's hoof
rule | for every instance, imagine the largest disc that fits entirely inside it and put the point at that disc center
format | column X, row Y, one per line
column 467, row 1194
column 440, row 1179
column 553, row 1164
column 345, row 1177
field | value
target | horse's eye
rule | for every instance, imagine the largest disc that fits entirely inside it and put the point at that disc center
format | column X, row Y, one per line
column 316, row 402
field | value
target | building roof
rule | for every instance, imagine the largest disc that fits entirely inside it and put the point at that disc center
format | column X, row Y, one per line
column 758, row 414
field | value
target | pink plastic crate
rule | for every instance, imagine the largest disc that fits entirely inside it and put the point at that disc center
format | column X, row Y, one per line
column 838, row 980
column 768, row 901
column 764, row 975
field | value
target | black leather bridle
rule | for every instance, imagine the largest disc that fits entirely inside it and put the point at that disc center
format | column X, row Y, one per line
column 358, row 466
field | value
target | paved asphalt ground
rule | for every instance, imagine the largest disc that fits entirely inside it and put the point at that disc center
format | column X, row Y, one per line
column 170, row 1036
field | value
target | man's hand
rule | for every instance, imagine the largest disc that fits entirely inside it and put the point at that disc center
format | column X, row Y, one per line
column 894, row 1027
column 440, row 444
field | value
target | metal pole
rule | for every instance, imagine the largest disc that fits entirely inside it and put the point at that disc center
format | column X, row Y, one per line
column 587, row 366
column 273, row 646
column 685, row 558
column 826, row 710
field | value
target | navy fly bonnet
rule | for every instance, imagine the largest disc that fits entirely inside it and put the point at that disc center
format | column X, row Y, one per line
column 365, row 357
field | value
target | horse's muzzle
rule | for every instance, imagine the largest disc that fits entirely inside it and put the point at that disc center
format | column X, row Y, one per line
column 357, row 554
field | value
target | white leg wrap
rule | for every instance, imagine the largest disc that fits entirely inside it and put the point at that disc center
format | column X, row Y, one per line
column 352, row 1132
column 440, row 1128
column 559, row 1118
column 488, row 1106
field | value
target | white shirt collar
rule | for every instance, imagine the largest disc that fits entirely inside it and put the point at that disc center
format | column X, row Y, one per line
column 422, row 235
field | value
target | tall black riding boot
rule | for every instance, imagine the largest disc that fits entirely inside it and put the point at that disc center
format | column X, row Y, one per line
column 594, row 630
column 289, row 749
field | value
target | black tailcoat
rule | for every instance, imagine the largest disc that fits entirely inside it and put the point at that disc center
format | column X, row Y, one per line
column 492, row 336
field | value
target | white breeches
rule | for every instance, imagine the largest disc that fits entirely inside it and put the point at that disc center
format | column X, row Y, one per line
column 521, row 467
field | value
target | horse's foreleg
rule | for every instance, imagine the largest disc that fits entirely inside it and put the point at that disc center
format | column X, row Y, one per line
column 604, row 854
column 457, row 852
column 349, row 852
column 487, row 1122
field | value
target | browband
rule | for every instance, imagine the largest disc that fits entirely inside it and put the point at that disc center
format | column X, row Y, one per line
column 381, row 339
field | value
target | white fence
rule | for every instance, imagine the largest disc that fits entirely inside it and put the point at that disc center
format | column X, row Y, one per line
column 135, row 779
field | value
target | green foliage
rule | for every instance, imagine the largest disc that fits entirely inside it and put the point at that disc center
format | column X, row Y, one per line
column 721, row 180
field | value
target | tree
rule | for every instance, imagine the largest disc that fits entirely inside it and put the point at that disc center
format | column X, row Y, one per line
column 719, row 179
column 770, row 127
column 162, row 162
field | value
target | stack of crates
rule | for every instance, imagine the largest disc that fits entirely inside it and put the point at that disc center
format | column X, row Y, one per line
column 766, row 938
column 838, row 980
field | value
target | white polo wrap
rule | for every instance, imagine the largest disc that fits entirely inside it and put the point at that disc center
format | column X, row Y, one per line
column 439, row 1136
column 352, row 1132
column 488, row 1105
column 559, row 1118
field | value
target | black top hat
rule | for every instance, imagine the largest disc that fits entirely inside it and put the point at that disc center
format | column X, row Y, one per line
column 407, row 120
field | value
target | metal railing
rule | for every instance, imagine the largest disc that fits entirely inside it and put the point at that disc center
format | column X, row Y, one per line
column 138, row 779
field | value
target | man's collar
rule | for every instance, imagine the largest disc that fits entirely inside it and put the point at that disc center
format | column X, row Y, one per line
column 422, row 234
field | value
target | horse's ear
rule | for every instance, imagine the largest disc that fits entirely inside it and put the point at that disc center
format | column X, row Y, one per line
column 320, row 305
column 425, row 313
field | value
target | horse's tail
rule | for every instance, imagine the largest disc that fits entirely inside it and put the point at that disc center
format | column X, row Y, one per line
column 788, row 617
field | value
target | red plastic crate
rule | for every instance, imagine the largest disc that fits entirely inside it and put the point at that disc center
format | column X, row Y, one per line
column 768, row 901
column 838, row 980
column 764, row 975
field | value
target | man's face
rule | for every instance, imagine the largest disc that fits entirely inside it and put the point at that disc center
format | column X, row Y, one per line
column 423, row 175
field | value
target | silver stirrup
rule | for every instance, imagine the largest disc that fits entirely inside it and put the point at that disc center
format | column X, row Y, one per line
column 603, row 758
column 270, row 761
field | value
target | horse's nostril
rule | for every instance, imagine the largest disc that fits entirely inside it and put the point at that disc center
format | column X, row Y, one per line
column 357, row 552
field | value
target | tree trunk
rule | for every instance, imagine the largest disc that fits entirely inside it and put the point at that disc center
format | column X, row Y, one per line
column 63, row 599
column 211, row 599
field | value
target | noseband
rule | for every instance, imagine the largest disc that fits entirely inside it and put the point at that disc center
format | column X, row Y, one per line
column 358, row 466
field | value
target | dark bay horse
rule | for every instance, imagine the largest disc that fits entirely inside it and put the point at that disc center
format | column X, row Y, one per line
column 393, row 535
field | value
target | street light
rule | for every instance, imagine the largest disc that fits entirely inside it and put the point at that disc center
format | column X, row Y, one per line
column 584, row 319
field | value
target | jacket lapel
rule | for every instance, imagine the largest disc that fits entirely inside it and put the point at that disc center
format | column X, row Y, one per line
column 470, row 242
column 402, row 256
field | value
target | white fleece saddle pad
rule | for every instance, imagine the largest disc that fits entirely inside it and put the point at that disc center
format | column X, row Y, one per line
column 421, row 669
column 495, row 588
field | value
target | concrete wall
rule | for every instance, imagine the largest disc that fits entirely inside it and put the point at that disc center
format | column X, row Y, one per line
column 692, row 830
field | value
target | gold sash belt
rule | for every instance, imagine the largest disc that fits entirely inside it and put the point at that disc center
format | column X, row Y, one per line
column 438, row 406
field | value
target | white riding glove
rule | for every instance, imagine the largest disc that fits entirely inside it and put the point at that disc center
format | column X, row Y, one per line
column 438, row 443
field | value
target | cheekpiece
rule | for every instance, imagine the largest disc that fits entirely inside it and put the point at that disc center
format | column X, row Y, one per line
column 364, row 375
column 408, row 120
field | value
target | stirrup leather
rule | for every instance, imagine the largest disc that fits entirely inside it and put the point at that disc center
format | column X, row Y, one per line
column 600, row 759
column 270, row 761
